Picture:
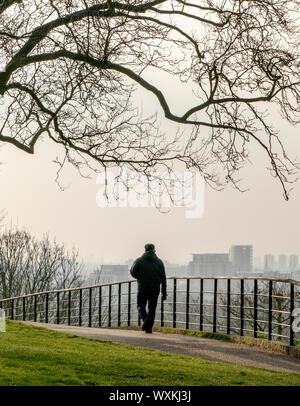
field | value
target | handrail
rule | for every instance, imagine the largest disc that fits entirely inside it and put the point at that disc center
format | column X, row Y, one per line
column 223, row 308
column 297, row 283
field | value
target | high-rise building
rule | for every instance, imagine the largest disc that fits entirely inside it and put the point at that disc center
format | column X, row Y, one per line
column 282, row 263
column 270, row 263
column 241, row 258
column 209, row 265
column 115, row 273
column 293, row 263
column 257, row 263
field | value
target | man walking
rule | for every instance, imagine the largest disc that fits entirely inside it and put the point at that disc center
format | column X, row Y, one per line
column 149, row 271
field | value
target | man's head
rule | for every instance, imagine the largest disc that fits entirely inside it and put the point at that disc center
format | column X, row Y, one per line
column 149, row 248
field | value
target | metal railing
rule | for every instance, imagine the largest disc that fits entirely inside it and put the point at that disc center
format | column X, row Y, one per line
column 259, row 307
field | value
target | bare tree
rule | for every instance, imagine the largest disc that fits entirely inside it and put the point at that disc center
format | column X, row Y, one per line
column 29, row 265
column 72, row 69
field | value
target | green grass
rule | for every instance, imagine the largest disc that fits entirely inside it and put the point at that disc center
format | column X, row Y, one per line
column 32, row 355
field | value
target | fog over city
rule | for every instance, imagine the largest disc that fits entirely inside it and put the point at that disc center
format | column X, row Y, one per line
column 67, row 210
column 259, row 217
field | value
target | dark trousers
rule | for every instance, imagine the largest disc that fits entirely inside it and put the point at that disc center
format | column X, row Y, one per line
column 142, row 299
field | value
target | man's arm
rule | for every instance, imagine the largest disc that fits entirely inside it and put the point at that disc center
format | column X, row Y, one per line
column 163, row 280
column 134, row 271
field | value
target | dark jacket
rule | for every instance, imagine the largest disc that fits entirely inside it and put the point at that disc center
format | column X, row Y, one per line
column 150, row 272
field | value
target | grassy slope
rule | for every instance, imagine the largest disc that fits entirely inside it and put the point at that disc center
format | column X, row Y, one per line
column 36, row 356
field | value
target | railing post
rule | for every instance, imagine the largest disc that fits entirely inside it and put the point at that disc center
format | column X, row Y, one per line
column 255, row 310
column 270, row 310
column 90, row 307
column 242, row 308
column 201, row 305
column 228, row 304
column 215, row 306
column 12, row 309
column 109, row 306
column 292, row 294
column 80, row 307
column 161, row 312
column 119, row 304
column 174, row 301
column 57, row 308
column 24, row 308
column 35, row 298
column 129, row 303
column 46, row 307
column 187, row 308
column 69, row 308
column 100, row 307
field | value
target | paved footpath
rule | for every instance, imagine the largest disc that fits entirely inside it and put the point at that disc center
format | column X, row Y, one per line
column 205, row 348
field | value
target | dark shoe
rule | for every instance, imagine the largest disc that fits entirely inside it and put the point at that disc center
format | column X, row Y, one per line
column 148, row 330
column 144, row 326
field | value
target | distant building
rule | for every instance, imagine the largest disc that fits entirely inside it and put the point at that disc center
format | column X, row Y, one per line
column 257, row 264
column 241, row 258
column 270, row 263
column 293, row 263
column 108, row 274
column 282, row 263
column 115, row 273
column 209, row 265
column 175, row 269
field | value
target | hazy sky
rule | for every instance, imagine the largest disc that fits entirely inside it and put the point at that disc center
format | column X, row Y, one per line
column 32, row 199
column 260, row 217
